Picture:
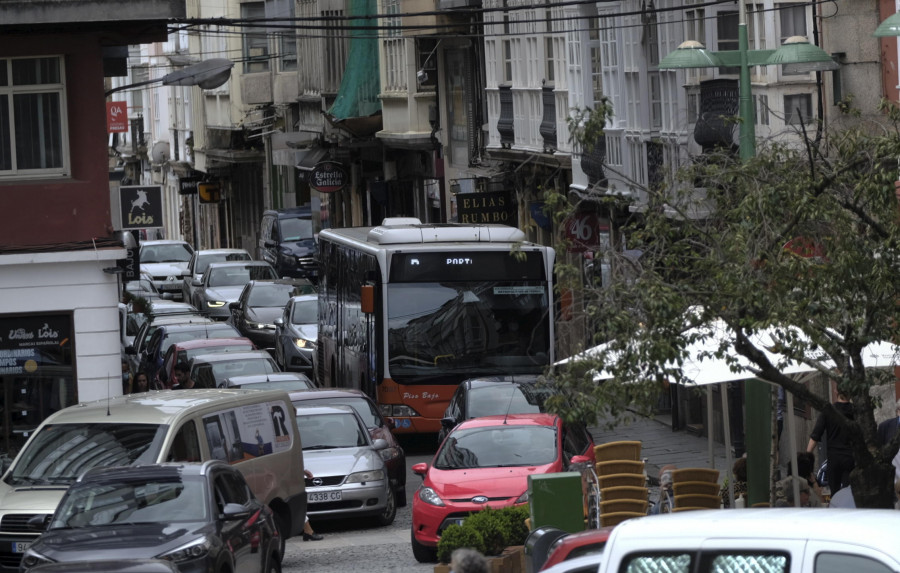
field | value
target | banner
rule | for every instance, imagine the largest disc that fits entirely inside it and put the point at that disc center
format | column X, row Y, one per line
column 117, row 117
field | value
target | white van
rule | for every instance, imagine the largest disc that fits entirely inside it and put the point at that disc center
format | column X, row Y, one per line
column 252, row 429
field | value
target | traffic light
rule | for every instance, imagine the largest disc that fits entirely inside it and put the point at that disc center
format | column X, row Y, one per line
column 209, row 192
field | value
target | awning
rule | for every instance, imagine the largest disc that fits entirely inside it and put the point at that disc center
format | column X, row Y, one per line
column 310, row 158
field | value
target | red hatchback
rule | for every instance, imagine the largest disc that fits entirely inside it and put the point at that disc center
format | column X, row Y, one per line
column 486, row 462
column 184, row 351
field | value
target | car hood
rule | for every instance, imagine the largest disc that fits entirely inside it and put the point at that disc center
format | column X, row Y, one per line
column 164, row 269
column 301, row 248
column 341, row 461
column 224, row 293
column 26, row 498
column 141, row 540
column 264, row 314
column 305, row 331
column 490, row 482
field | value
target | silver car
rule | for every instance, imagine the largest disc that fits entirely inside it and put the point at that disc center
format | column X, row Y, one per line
column 349, row 478
column 211, row 370
column 200, row 260
column 165, row 261
column 297, row 332
column 222, row 284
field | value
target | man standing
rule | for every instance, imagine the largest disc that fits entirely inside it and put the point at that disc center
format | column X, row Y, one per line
column 838, row 451
column 183, row 380
column 888, row 429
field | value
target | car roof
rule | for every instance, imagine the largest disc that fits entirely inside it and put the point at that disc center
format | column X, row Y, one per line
column 158, row 407
column 290, row 212
column 321, row 393
column 690, row 529
column 220, row 251
column 176, row 318
column 304, row 297
column 509, row 420
column 231, row 356
column 147, row 471
column 182, row 326
column 164, row 242
column 210, row 342
column 250, row 263
column 512, row 379
column 259, row 378
column 321, row 410
column 282, row 281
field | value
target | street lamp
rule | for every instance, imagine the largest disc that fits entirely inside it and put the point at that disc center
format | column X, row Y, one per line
column 890, row 27
column 207, row 74
column 796, row 50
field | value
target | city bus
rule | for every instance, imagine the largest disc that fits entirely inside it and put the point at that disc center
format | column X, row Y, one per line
column 407, row 311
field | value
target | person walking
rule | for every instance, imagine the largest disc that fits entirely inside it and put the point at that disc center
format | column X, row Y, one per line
column 308, row 533
column 183, row 380
column 838, row 451
column 141, row 383
column 888, row 429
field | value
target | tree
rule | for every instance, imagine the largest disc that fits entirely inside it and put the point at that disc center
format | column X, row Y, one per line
column 804, row 235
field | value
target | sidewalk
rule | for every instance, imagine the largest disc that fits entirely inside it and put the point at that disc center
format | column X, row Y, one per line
column 661, row 446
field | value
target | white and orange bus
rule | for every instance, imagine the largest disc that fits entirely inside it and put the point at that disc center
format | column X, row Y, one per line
column 407, row 311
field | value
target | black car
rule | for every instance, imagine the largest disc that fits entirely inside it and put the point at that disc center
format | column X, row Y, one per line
column 260, row 303
column 287, row 242
column 201, row 517
column 493, row 395
column 166, row 335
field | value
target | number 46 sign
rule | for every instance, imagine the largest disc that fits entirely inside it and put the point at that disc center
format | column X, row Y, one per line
column 584, row 232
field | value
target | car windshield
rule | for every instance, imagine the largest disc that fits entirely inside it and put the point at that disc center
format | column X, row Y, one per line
column 497, row 446
column 165, row 499
column 210, row 375
column 295, row 229
column 325, row 431
column 305, row 312
column 186, row 355
column 239, row 275
column 287, row 385
column 203, row 261
column 366, row 410
column 59, row 453
column 174, row 253
column 205, row 331
column 506, row 399
column 271, row 294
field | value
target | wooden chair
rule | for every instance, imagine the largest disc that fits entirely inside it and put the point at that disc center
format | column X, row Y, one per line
column 621, row 505
column 676, row 509
column 610, row 519
column 690, row 487
column 695, row 474
column 621, row 450
column 762, row 504
column 621, row 480
column 619, row 467
column 624, row 492
column 698, row 500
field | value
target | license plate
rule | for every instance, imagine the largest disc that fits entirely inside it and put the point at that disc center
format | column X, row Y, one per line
column 320, row 496
column 20, row 546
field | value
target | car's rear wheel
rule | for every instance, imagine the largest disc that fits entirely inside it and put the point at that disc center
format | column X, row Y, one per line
column 422, row 553
column 387, row 516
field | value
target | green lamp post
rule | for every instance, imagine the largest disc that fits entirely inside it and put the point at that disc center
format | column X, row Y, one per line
column 890, row 27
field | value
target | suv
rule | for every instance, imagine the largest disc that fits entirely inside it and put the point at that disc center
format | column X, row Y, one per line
column 287, row 242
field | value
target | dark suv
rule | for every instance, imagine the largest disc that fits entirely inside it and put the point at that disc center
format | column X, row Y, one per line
column 286, row 241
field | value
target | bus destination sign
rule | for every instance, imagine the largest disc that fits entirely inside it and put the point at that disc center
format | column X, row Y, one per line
column 328, row 177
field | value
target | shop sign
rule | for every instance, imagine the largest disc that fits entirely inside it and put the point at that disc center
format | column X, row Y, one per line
column 117, row 117
column 328, row 177
column 188, row 185
column 584, row 232
column 28, row 342
column 494, row 207
column 141, row 206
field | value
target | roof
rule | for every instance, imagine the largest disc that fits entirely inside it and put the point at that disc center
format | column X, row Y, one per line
column 320, row 393
column 147, row 472
column 238, row 264
column 291, row 212
column 163, row 242
column 320, row 410
column 210, row 342
column 510, row 420
column 876, row 528
column 273, row 377
column 488, row 380
column 195, row 325
column 156, row 407
column 220, row 251
column 231, row 356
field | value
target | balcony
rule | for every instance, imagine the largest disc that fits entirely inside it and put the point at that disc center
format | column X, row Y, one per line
column 718, row 105
column 505, row 126
column 592, row 163
column 548, row 120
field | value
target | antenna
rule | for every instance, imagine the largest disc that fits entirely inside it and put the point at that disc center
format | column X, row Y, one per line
column 108, row 377
column 509, row 405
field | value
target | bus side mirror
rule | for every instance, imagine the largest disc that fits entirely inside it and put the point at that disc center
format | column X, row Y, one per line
column 367, row 298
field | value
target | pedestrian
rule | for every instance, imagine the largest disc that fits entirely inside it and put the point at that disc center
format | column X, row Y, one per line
column 183, row 380
column 838, row 450
column 666, row 499
column 739, row 476
column 467, row 560
column 141, row 383
column 888, row 429
column 810, row 493
column 308, row 533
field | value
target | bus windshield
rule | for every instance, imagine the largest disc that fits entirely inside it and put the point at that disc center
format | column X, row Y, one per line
column 469, row 328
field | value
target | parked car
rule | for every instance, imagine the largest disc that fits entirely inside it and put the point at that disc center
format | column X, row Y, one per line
column 260, row 303
column 123, row 565
column 349, row 478
column 574, row 545
column 165, row 261
column 287, row 381
column 379, row 428
column 200, row 517
column 168, row 334
column 222, row 284
column 200, row 260
column 296, row 333
column 143, row 287
column 286, row 241
column 185, row 351
column 211, row 370
column 490, row 459
column 490, row 396
column 582, row 564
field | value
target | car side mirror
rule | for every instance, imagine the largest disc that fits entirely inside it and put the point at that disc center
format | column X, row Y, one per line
column 235, row 511
column 270, row 243
column 380, row 444
column 167, row 296
column 448, row 422
column 39, row 522
column 580, row 460
column 196, row 282
column 420, row 469
column 278, row 322
column 234, row 305
column 185, row 273
column 130, row 350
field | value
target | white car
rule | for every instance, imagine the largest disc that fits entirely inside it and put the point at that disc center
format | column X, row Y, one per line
column 200, row 260
column 165, row 262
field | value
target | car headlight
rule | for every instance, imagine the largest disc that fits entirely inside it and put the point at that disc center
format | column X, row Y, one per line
column 428, row 495
column 215, row 303
column 388, row 454
column 193, row 550
column 32, row 559
column 522, row 498
column 363, row 477
column 304, row 343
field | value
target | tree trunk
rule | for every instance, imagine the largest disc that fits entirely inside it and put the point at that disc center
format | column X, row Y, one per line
column 873, row 486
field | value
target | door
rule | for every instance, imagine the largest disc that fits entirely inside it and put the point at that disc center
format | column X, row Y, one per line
column 239, row 535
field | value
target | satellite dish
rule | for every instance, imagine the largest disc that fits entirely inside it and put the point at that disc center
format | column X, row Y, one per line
column 159, row 152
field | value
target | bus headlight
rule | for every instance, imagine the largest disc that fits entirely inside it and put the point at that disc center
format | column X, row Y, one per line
column 397, row 411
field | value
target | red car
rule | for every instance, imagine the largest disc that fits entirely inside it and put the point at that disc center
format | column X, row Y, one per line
column 184, row 351
column 577, row 544
column 486, row 462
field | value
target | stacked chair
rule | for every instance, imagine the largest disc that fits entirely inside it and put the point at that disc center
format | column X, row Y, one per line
column 696, row 488
column 622, row 481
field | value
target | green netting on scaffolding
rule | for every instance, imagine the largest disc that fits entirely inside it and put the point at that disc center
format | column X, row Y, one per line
column 361, row 84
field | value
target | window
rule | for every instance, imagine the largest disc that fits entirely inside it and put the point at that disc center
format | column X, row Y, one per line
column 797, row 107
column 33, row 130
column 792, row 18
column 256, row 43
column 761, row 103
column 840, row 562
column 727, row 36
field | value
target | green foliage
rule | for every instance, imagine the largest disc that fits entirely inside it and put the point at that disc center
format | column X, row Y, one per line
column 586, row 125
column 511, row 520
column 456, row 536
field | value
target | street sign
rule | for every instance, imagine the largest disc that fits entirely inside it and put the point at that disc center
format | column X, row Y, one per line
column 141, row 206
column 209, row 192
column 188, row 185
column 328, row 177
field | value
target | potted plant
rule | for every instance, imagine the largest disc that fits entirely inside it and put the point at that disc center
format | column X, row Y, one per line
column 497, row 533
